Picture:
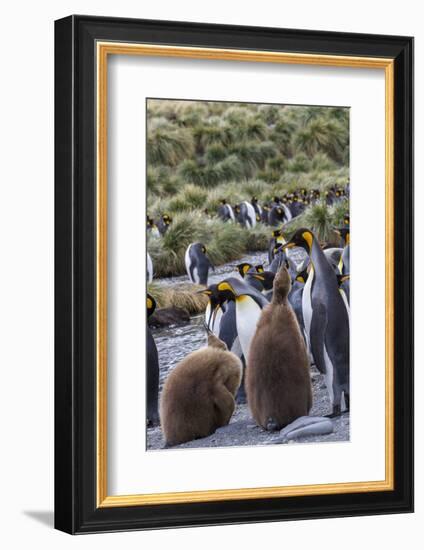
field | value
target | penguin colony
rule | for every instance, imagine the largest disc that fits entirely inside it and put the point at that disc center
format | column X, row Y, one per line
column 266, row 325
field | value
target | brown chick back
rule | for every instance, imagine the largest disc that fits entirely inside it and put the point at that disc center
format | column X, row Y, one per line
column 198, row 395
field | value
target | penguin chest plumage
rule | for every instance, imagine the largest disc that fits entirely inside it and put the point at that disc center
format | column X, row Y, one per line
column 247, row 316
column 149, row 268
column 250, row 219
column 307, row 304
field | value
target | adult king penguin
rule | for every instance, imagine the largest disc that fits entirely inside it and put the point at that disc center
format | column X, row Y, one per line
column 248, row 306
column 149, row 265
column 152, row 378
column 326, row 319
column 197, row 263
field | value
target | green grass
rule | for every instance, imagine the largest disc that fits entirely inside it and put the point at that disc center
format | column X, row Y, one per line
column 202, row 152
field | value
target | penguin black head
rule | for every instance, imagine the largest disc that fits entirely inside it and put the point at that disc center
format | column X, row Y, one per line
column 258, row 218
column 254, row 200
column 277, row 233
column 167, row 219
column 236, row 208
column 151, row 304
column 266, row 278
column 303, row 238
column 226, row 291
column 259, row 268
column 346, row 220
column 344, row 234
column 222, row 201
column 277, row 199
column 243, row 268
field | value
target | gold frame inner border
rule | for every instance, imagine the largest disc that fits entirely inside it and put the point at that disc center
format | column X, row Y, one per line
column 104, row 49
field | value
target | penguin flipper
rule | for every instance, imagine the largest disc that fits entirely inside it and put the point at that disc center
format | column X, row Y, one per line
column 317, row 336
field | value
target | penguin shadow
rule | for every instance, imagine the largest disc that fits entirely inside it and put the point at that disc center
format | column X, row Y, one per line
column 45, row 517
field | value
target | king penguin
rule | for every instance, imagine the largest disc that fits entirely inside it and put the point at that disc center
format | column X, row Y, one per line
column 248, row 306
column 326, row 319
column 152, row 378
column 149, row 266
column 197, row 264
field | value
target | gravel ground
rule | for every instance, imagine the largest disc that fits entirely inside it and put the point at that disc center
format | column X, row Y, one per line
column 242, row 429
column 174, row 343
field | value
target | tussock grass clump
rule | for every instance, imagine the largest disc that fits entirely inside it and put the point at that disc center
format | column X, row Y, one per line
column 190, row 197
column 199, row 153
column 168, row 251
column 258, row 238
column 339, row 211
column 183, row 296
column 227, row 242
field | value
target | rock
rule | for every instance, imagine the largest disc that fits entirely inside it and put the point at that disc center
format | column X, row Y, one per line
column 305, row 426
column 166, row 316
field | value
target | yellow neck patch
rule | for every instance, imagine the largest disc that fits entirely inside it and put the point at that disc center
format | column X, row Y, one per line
column 308, row 238
column 149, row 303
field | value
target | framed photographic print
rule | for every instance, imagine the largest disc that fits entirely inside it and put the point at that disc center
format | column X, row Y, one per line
column 233, row 266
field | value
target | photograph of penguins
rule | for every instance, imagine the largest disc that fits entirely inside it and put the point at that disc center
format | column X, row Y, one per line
column 247, row 274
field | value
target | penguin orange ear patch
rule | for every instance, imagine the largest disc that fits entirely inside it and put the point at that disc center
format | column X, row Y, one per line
column 149, row 303
column 225, row 286
column 308, row 238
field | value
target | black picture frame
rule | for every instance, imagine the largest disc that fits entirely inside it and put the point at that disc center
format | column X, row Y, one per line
column 76, row 510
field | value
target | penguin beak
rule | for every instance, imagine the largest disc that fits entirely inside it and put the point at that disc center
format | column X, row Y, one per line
column 288, row 245
column 259, row 277
column 206, row 292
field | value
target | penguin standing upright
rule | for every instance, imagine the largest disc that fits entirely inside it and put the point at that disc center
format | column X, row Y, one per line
column 152, row 228
column 149, row 266
column 225, row 211
column 295, row 298
column 344, row 263
column 255, row 203
column 220, row 318
column 197, row 264
column 164, row 223
column 249, row 303
column 245, row 214
column 326, row 319
column 152, row 374
column 277, row 238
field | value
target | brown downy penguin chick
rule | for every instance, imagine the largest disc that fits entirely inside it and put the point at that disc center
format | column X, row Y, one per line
column 198, row 395
column 278, row 384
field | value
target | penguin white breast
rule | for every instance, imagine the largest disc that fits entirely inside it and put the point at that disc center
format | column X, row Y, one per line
column 217, row 322
column 307, row 304
column 251, row 215
column 287, row 212
column 247, row 316
column 188, row 263
column 149, row 268
column 230, row 211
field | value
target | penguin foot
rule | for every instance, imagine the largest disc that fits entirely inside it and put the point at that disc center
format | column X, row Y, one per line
column 272, row 425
